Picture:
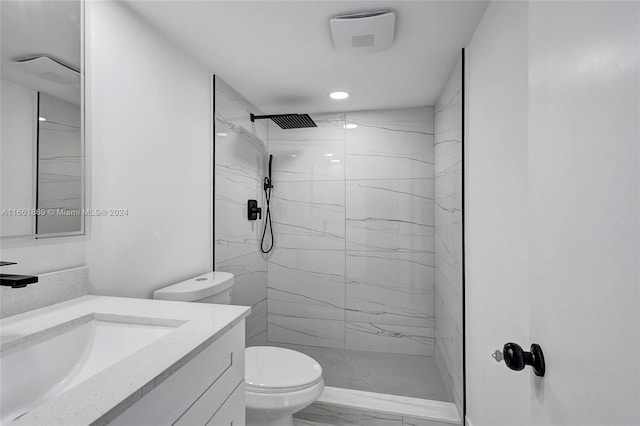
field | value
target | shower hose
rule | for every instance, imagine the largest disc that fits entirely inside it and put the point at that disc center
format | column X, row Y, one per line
column 267, row 216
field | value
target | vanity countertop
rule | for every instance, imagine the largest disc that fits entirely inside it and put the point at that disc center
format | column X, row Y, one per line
column 104, row 396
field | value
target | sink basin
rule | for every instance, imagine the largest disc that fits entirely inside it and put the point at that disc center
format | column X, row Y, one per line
column 35, row 368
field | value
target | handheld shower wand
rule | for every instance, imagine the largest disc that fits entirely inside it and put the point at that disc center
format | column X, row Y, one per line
column 267, row 185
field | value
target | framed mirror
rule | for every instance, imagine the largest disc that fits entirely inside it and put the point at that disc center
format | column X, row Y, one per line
column 42, row 144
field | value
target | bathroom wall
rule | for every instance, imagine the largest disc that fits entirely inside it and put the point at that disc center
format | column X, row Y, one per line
column 496, row 192
column 448, row 233
column 353, row 265
column 150, row 130
column 240, row 157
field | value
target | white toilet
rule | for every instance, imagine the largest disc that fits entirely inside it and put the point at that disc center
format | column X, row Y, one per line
column 278, row 382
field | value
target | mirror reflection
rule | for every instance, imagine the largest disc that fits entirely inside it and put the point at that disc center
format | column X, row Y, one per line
column 41, row 141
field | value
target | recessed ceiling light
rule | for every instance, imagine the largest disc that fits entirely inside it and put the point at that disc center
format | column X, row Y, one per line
column 328, row 154
column 335, row 161
column 221, row 134
column 339, row 95
column 351, row 126
column 293, row 155
column 42, row 119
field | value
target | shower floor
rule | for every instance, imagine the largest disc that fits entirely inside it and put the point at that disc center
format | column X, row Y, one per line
column 405, row 375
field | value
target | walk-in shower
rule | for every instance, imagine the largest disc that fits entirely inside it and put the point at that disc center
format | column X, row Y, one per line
column 366, row 273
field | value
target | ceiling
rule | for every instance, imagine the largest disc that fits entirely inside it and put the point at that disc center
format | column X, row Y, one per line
column 33, row 28
column 280, row 56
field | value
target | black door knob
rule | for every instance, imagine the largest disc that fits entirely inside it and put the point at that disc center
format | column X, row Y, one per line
column 516, row 358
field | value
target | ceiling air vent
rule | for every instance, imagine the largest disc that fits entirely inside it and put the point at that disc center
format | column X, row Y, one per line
column 49, row 69
column 366, row 32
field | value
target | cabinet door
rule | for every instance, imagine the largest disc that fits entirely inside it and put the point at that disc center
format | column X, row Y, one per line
column 195, row 391
column 232, row 413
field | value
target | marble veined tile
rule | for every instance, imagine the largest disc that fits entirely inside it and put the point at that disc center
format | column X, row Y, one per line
column 410, row 421
column 315, row 153
column 307, row 422
column 234, row 108
column 365, row 336
column 448, row 154
column 238, row 154
column 305, row 331
column 392, row 215
column 309, row 214
column 256, row 325
column 390, row 144
column 307, row 284
column 234, row 236
column 238, row 178
column 250, row 278
column 250, row 289
column 341, row 416
column 390, row 288
column 448, row 235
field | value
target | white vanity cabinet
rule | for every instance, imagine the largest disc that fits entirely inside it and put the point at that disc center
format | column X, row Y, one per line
column 207, row 390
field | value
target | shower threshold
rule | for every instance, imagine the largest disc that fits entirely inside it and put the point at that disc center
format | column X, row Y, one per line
column 388, row 389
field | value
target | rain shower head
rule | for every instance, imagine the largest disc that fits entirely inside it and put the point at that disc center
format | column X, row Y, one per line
column 288, row 121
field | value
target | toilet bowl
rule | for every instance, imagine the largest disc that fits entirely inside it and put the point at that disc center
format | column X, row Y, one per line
column 278, row 383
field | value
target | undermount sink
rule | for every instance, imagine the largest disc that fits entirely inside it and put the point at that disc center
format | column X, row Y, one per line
column 35, row 368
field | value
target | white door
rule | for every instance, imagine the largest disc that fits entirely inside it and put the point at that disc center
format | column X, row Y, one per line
column 553, row 212
column 584, row 146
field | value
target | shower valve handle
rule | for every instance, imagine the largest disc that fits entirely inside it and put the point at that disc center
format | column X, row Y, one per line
column 253, row 211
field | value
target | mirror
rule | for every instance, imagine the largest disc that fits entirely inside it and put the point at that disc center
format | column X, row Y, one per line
column 42, row 161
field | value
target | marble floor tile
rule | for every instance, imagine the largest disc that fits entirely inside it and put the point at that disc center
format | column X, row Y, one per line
column 341, row 416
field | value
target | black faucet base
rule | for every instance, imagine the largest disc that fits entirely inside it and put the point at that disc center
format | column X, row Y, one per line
column 17, row 281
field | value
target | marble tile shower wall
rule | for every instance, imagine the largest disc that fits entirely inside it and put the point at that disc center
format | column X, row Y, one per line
column 353, row 217
column 448, row 233
column 240, row 159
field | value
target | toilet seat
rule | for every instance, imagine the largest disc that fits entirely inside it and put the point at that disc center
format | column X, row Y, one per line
column 270, row 370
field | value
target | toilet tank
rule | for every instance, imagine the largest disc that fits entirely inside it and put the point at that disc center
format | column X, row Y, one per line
column 214, row 287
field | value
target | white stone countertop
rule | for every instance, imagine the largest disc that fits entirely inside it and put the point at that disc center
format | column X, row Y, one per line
column 107, row 394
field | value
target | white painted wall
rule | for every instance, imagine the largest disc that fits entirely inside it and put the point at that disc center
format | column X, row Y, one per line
column 151, row 154
column 496, row 212
column 553, row 200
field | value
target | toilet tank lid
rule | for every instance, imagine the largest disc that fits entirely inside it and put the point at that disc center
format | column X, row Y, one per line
column 196, row 288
